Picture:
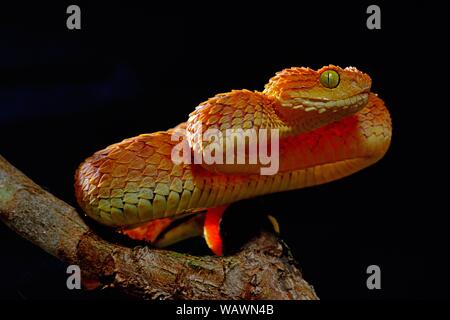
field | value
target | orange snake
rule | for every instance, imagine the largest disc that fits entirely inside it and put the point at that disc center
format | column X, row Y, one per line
column 330, row 125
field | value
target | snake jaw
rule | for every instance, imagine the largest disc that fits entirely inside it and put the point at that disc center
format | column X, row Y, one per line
column 354, row 103
column 305, row 115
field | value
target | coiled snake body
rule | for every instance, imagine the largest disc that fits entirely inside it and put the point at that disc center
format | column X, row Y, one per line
column 329, row 125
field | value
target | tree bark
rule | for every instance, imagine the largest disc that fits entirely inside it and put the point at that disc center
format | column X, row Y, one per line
column 263, row 269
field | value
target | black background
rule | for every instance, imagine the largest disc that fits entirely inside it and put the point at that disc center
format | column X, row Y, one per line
column 129, row 70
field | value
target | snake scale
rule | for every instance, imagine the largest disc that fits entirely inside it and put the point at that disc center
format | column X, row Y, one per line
column 330, row 125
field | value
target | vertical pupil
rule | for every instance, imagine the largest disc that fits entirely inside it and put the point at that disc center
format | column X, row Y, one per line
column 329, row 79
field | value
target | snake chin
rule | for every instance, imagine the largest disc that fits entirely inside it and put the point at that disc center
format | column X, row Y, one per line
column 354, row 103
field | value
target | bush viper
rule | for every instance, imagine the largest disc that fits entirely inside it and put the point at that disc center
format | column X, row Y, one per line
column 329, row 123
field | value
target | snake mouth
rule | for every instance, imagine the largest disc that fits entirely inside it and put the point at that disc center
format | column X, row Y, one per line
column 353, row 103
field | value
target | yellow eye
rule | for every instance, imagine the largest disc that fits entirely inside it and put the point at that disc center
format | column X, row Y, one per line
column 329, row 79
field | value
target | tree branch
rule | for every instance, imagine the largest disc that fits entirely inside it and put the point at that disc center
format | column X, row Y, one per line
column 263, row 269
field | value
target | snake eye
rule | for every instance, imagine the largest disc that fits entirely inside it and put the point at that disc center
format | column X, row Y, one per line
column 329, row 79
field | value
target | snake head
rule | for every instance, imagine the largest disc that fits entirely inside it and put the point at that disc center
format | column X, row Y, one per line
column 330, row 89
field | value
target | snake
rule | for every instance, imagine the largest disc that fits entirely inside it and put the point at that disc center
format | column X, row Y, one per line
column 329, row 125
